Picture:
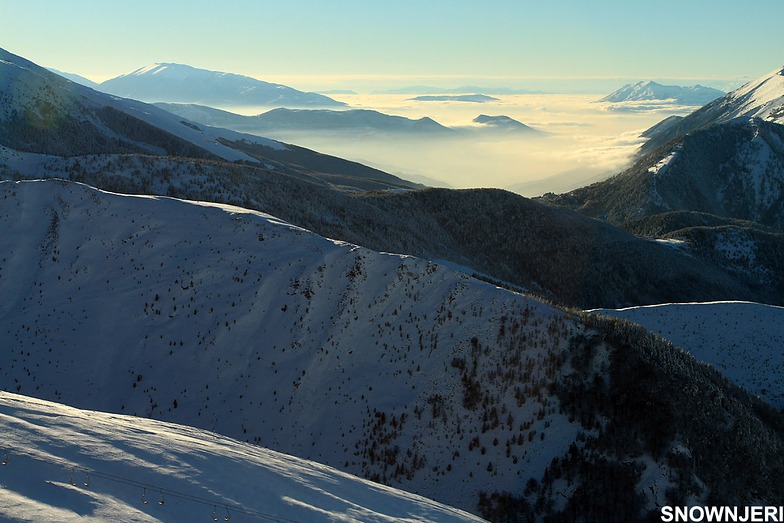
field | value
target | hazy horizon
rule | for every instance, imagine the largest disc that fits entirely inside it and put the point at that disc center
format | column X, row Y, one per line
column 314, row 45
column 580, row 50
column 579, row 137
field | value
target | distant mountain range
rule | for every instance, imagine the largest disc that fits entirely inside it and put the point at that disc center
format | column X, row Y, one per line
column 649, row 91
column 168, row 82
column 467, row 89
column 472, row 98
column 724, row 159
column 314, row 120
column 44, row 113
column 504, row 123
column 355, row 121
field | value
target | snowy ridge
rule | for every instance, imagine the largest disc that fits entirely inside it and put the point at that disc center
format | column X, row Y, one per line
column 236, row 322
column 652, row 91
column 34, row 93
column 384, row 366
column 171, row 82
column 761, row 98
column 64, row 464
column 741, row 339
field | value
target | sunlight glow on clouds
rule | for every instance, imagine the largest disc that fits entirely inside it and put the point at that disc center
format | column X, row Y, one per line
column 581, row 136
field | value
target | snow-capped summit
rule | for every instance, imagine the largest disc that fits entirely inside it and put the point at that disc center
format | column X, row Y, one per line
column 171, row 82
column 47, row 114
column 761, row 98
column 649, row 91
column 725, row 159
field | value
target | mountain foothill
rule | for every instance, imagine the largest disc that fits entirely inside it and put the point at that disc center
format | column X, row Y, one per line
column 427, row 339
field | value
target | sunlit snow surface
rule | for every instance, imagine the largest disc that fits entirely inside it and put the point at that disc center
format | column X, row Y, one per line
column 65, row 464
column 745, row 341
column 759, row 98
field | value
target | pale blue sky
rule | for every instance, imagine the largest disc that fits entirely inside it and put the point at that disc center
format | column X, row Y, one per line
column 372, row 43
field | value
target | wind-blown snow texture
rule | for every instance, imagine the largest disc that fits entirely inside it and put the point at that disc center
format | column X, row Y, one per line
column 64, row 464
column 233, row 321
column 761, row 98
column 743, row 340
column 386, row 366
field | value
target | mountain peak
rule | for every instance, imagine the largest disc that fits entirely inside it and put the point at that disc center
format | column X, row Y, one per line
column 647, row 90
column 180, row 83
column 760, row 98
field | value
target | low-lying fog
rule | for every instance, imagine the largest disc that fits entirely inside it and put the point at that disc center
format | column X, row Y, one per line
column 581, row 141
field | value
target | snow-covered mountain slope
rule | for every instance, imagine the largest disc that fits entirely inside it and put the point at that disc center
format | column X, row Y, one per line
column 762, row 99
column 725, row 159
column 743, row 340
column 648, row 91
column 45, row 113
column 733, row 170
column 235, row 322
column 558, row 254
column 64, row 464
column 382, row 365
column 169, row 82
column 76, row 78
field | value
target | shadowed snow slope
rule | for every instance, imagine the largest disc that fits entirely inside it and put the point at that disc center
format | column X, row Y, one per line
column 233, row 321
column 386, row 366
column 65, row 464
column 743, row 340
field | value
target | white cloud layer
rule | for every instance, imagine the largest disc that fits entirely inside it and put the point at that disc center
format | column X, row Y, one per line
column 582, row 138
